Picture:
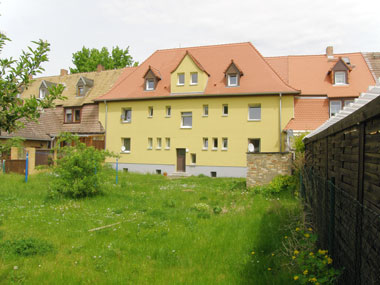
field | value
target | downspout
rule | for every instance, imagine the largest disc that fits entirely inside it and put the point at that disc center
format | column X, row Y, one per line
column 105, row 126
column 280, row 115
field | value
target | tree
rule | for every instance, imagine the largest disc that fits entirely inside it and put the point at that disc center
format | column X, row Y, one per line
column 87, row 60
column 15, row 76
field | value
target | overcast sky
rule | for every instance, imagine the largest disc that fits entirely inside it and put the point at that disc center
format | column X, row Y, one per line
column 274, row 27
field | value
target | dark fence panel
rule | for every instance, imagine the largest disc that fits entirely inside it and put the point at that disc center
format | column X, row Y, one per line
column 15, row 166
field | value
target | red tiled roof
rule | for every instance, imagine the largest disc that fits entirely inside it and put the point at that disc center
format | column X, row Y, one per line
column 309, row 73
column 259, row 76
column 309, row 114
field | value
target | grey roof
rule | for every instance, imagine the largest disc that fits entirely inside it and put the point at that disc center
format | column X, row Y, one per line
column 364, row 99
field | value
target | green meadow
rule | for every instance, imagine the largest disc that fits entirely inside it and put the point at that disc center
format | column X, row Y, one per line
column 148, row 229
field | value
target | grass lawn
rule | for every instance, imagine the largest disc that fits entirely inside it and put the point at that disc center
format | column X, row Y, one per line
column 169, row 231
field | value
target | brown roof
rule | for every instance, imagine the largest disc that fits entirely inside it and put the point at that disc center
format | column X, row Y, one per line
column 309, row 73
column 103, row 81
column 259, row 76
column 373, row 61
column 309, row 114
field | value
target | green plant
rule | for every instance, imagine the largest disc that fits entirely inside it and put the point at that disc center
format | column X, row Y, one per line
column 78, row 172
column 279, row 184
column 26, row 247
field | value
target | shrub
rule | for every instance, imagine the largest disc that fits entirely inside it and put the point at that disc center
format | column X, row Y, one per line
column 78, row 172
column 279, row 184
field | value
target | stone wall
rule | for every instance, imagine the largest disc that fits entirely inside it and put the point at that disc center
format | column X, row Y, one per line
column 262, row 167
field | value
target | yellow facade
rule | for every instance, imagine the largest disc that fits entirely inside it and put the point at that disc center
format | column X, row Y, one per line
column 235, row 127
column 186, row 67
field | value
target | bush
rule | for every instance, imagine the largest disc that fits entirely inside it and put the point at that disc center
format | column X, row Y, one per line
column 279, row 184
column 78, row 172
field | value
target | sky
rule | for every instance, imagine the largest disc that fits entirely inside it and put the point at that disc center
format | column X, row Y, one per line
column 275, row 28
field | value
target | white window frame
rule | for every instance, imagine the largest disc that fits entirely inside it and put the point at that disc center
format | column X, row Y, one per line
column 205, row 144
column 147, row 81
column 205, row 111
column 124, row 117
column 215, row 140
column 167, row 143
column 150, row 112
column 338, row 102
column 224, row 114
column 347, row 102
column 159, row 143
column 340, row 82
column 191, row 78
column 42, row 93
column 123, row 143
column 186, row 115
column 249, row 113
column 229, row 76
column 168, row 111
column 150, row 143
column 224, row 143
column 181, row 76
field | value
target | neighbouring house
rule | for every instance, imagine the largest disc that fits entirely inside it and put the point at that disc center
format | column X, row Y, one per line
column 195, row 111
column 327, row 83
column 373, row 61
column 78, row 114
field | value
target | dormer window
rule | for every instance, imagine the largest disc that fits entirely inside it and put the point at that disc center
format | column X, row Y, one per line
column 181, row 79
column 233, row 74
column 84, row 85
column 152, row 76
column 340, row 77
column 44, row 88
column 194, row 78
column 42, row 93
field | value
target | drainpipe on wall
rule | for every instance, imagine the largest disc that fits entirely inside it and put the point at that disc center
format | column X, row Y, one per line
column 105, row 126
column 280, row 114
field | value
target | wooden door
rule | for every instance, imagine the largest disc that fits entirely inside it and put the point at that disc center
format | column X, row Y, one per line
column 181, row 160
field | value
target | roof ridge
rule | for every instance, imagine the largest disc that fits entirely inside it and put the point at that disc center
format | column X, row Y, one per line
column 206, row 46
column 270, row 66
column 314, row 55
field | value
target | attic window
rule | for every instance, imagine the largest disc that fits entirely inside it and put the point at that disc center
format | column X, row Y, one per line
column 151, row 77
column 83, row 86
column 232, row 79
column 233, row 74
column 340, row 77
column 43, row 92
column 149, row 84
column 44, row 88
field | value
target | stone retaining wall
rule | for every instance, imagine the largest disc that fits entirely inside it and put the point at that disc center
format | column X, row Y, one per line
column 262, row 167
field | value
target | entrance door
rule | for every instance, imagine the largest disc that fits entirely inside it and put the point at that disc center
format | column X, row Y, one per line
column 181, row 160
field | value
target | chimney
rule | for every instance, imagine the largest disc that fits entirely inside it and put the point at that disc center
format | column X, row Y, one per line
column 64, row 72
column 330, row 52
column 100, row 68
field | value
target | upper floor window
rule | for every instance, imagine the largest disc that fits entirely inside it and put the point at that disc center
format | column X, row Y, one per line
column 205, row 143
column 44, row 88
column 232, row 79
column 225, row 110
column 205, row 110
column 152, row 76
column 340, row 77
column 348, row 102
column 233, row 74
column 194, row 78
column 187, row 119
column 335, row 107
column 43, row 92
column 127, row 115
column 72, row 115
column 150, row 111
column 83, row 86
column 168, row 111
column 181, row 79
column 149, row 84
column 254, row 112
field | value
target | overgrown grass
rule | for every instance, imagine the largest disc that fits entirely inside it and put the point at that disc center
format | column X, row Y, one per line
column 195, row 230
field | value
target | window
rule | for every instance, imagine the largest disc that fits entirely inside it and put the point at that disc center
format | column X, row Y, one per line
column 72, row 115
column 150, row 143
column 193, row 158
column 225, row 110
column 255, row 143
column 335, row 107
column 168, row 111
column 348, row 102
column 232, row 79
column 159, row 143
column 149, row 84
column 181, row 79
column 205, row 110
column 127, row 115
column 194, row 78
column 127, row 145
column 187, row 119
column 167, row 142
column 150, row 112
column 205, row 143
column 254, row 112
column 215, row 143
column 340, row 77
column 80, row 91
column 42, row 93
column 225, row 143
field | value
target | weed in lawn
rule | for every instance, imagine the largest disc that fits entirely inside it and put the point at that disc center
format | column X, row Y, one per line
column 26, row 247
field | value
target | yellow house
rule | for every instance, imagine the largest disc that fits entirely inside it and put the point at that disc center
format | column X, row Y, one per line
column 196, row 110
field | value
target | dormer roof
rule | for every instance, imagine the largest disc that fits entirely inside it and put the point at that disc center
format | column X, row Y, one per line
column 233, row 65
column 46, row 84
column 85, row 81
column 197, row 63
column 341, row 65
column 156, row 73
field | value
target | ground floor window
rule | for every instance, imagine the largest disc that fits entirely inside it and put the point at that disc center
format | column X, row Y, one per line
column 126, row 147
column 256, row 144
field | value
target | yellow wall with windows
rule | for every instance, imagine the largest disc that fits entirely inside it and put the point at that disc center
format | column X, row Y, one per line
column 236, row 127
column 187, row 66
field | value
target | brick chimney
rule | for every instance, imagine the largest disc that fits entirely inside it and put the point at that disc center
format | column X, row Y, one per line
column 64, row 72
column 330, row 52
column 100, row 68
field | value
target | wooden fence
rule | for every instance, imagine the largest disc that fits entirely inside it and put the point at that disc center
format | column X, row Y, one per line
column 15, row 166
column 342, row 187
